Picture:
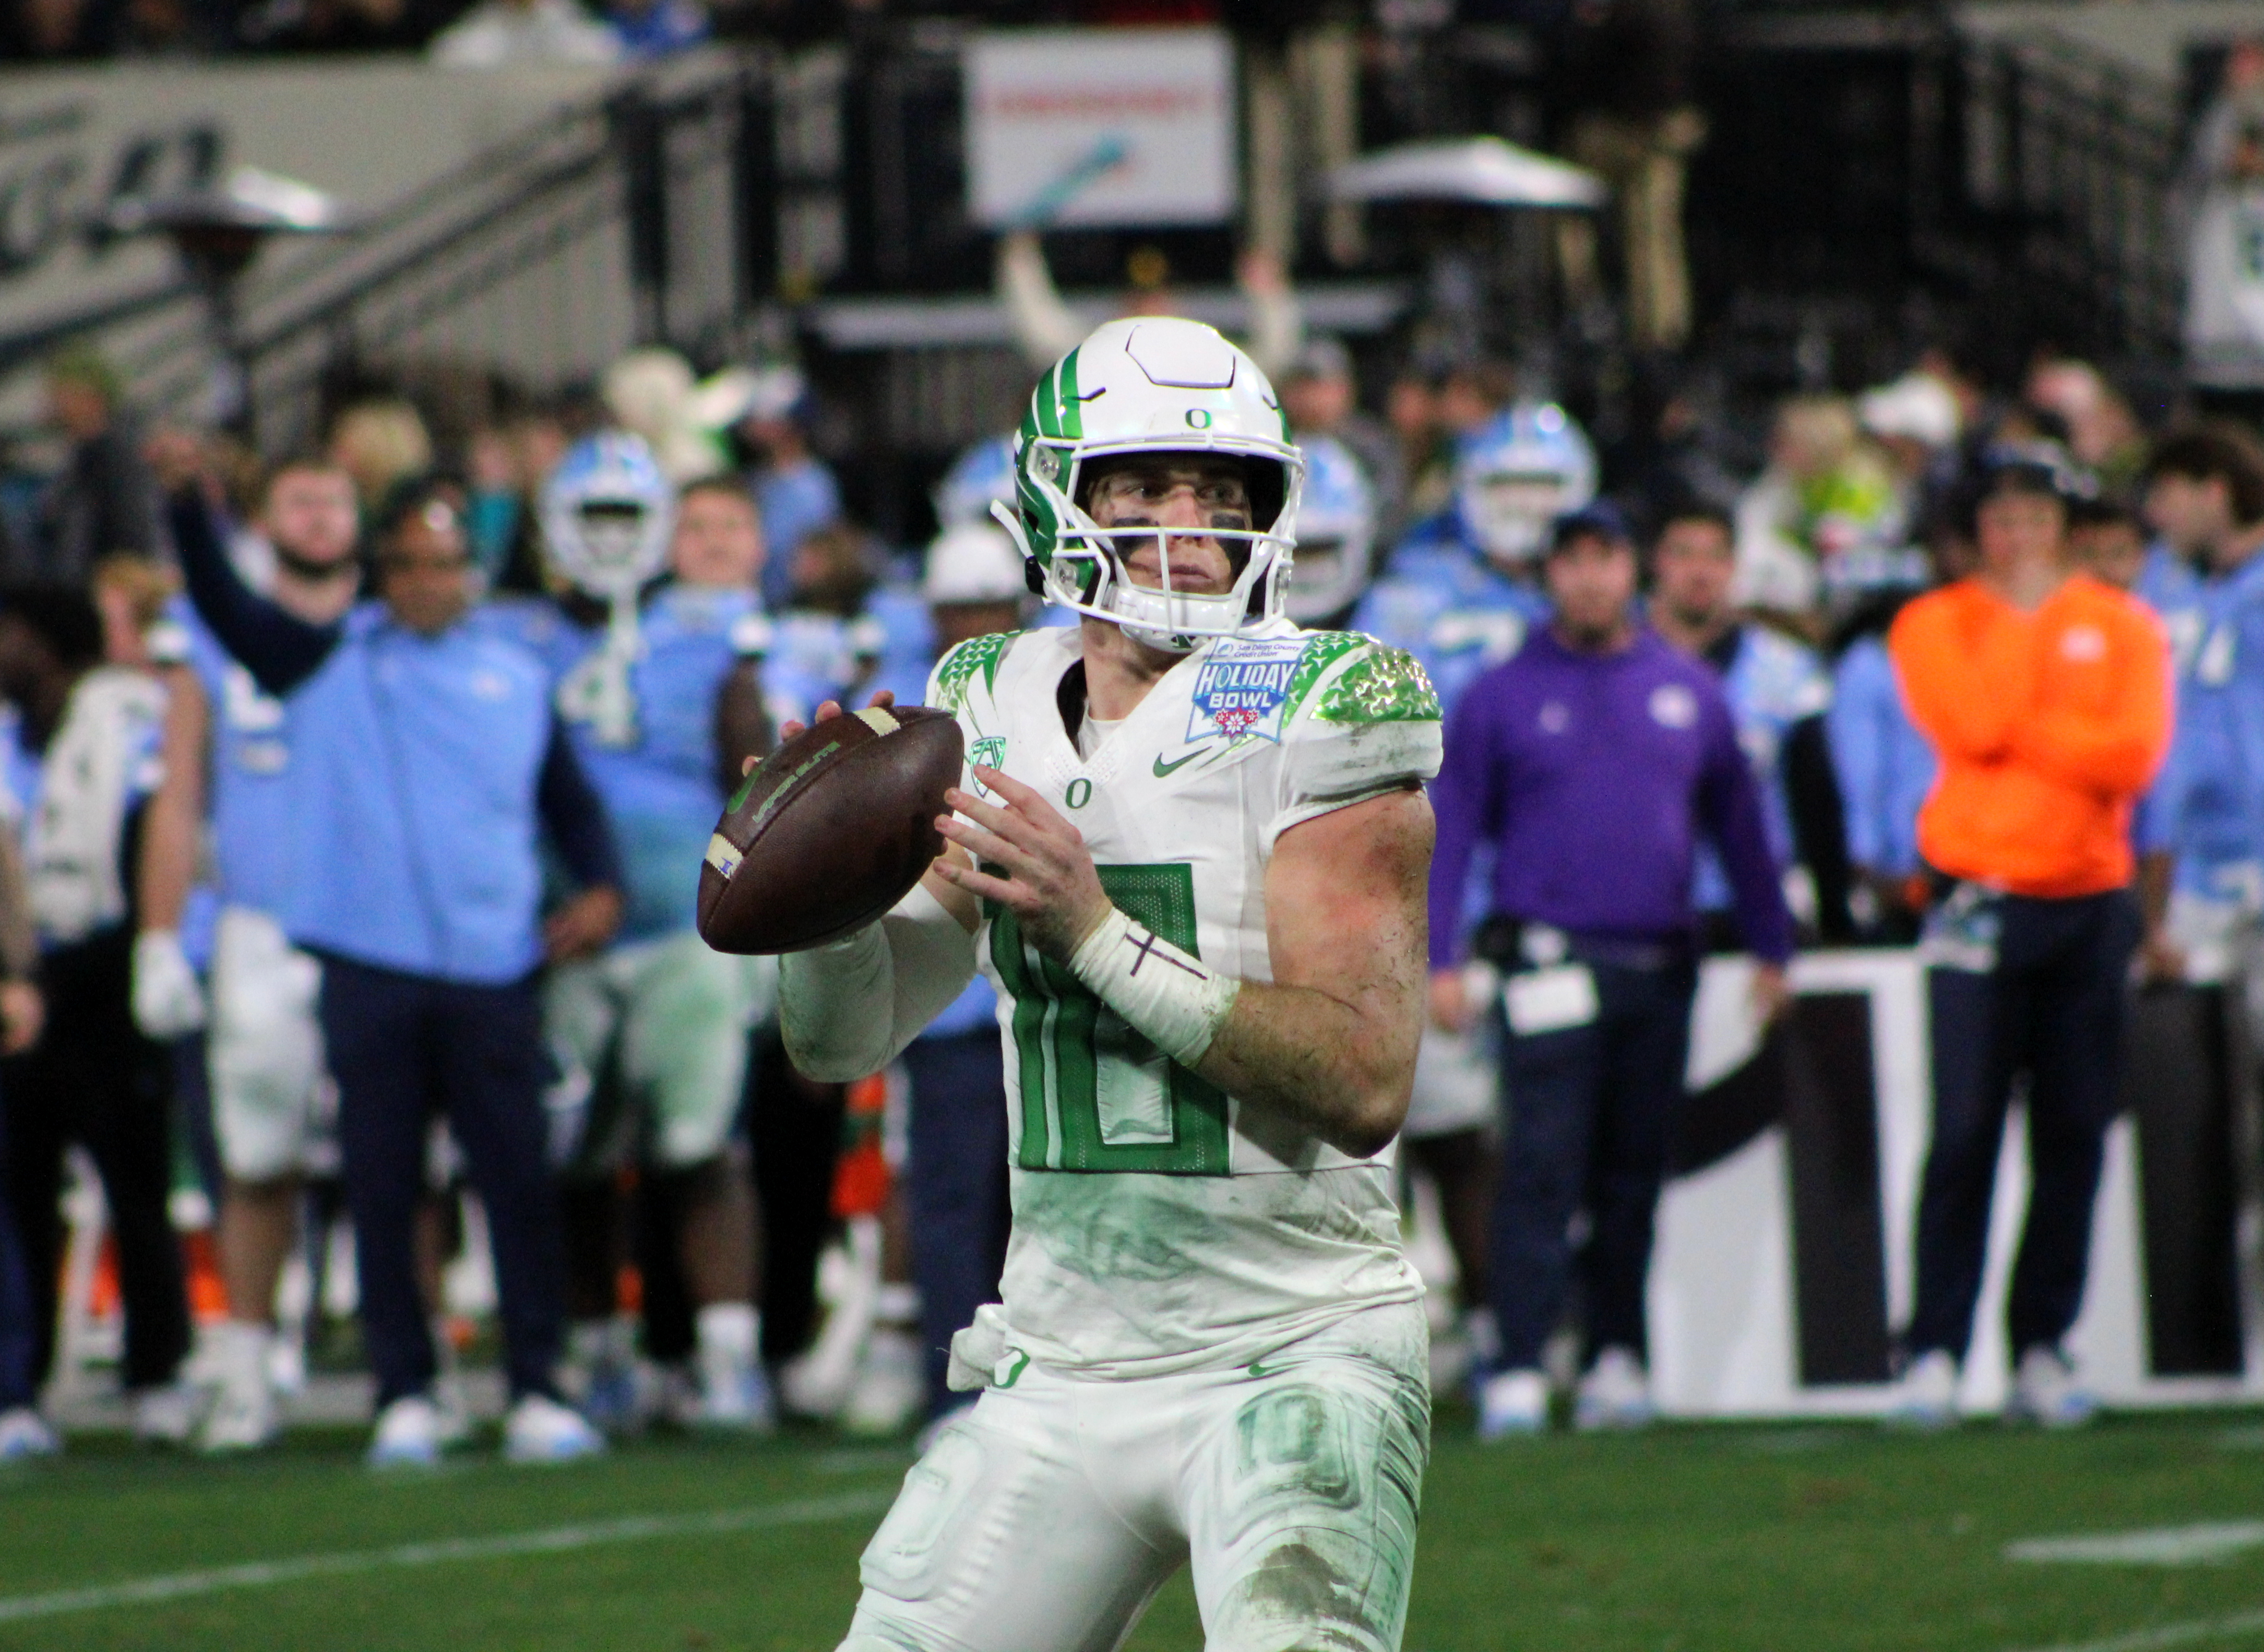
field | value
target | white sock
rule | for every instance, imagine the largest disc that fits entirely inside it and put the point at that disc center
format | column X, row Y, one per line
column 896, row 1303
column 240, row 1353
column 728, row 1331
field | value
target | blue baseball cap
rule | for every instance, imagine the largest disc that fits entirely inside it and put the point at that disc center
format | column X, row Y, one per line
column 1597, row 520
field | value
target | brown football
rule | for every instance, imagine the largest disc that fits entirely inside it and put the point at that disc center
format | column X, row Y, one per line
column 830, row 831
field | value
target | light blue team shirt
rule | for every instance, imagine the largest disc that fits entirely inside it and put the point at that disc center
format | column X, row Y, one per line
column 793, row 503
column 1445, row 604
column 419, row 758
column 2208, row 805
column 1885, row 766
column 662, row 791
column 254, row 796
column 2169, row 585
column 1772, row 684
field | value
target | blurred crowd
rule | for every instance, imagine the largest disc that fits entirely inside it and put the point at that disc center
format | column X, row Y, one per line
column 355, row 792
column 483, row 34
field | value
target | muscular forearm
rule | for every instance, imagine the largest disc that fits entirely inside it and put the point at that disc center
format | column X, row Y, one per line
column 172, row 825
column 1325, row 1066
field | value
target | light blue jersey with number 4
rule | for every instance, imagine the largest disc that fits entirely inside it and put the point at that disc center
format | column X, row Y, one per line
column 1160, row 1225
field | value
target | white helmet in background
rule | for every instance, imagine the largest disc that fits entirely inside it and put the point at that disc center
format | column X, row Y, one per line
column 973, row 562
column 1336, row 532
column 1517, row 474
column 980, row 477
column 1154, row 384
column 607, row 513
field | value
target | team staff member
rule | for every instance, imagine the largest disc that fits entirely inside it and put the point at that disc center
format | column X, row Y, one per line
column 2047, row 695
column 1595, row 761
column 438, row 762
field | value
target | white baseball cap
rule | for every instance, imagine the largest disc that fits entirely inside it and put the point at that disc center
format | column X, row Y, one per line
column 973, row 562
column 1916, row 406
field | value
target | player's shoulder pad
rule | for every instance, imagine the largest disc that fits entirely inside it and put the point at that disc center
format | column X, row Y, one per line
column 751, row 634
column 1348, row 680
column 970, row 667
column 169, row 642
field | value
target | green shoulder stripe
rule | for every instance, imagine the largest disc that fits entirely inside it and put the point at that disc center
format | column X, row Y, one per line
column 1385, row 685
column 1323, row 650
column 958, row 668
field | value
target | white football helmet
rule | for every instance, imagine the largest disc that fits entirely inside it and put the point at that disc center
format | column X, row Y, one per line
column 607, row 513
column 980, row 477
column 1517, row 474
column 1154, row 384
column 1336, row 532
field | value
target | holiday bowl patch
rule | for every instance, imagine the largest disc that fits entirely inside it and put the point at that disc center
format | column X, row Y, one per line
column 1241, row 687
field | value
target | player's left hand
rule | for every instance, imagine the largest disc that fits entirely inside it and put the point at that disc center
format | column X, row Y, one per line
column 825, row 713
column 1052, row 887
column 583, row 926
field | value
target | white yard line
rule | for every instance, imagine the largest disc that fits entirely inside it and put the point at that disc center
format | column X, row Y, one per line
column 2200, row 1629
column 557, row 1539
column 2201, row 1545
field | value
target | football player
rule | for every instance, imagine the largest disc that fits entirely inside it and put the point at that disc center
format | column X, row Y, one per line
column 228, row 766
column 1780, row 694
column 662, row 698
column 1190, row 852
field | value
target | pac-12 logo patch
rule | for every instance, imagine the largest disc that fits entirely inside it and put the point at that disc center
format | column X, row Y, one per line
column 1241, row 690
column 989, row 751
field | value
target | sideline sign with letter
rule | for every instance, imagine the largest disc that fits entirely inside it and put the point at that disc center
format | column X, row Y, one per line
column 1100, row 126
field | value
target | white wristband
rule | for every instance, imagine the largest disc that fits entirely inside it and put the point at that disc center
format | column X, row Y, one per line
column 1164, row 992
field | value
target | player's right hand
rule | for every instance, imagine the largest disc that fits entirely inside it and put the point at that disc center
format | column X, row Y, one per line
column 825, row 713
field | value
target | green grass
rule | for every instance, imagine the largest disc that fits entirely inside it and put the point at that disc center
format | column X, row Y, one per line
column 1742, row 1539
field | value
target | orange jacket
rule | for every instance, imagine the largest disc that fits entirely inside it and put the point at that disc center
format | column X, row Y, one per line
column 2048, row 726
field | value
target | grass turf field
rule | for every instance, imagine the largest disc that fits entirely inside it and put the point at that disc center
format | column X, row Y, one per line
column 1687, row 1537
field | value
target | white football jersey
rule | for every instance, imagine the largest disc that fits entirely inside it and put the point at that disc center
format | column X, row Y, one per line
column 1160, row 1225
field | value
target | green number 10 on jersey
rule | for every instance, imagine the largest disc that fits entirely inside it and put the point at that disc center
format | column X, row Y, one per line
column 1095, row 1095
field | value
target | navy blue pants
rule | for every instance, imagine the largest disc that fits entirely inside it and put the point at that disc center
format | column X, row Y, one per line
column 960, row 1214
column 405, row 1048
column 2052, row 1008
column 1589, row 1113
column 19, row 1338
column 94, row 1080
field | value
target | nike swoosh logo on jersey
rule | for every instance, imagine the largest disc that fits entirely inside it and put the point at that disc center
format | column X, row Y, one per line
column 1164, row 768
column 1258, row 1368
column 1022, row 1360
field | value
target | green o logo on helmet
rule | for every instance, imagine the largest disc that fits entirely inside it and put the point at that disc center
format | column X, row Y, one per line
column 1198, row 418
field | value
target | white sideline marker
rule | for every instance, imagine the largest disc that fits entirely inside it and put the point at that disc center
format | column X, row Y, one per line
column 2202, row 1544
column 2169, row 1634
column 558, row 1539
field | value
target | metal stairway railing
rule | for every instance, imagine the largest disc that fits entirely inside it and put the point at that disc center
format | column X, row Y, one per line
column 628, row 219
column 2070, row 164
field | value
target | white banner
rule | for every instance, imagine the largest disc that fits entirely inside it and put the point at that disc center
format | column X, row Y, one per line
column 1726, row 1296
column 1100, row 126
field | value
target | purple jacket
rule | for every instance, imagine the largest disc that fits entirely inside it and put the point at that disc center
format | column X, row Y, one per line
column 1593, row 776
